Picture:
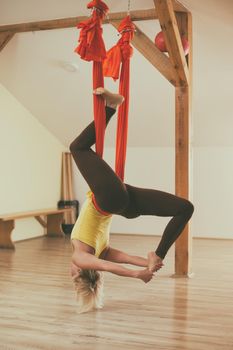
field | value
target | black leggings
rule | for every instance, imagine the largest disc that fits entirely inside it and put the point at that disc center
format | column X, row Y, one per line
column 116, row 197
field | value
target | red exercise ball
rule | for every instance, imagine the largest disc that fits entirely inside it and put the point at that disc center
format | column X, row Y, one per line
column 185, row 44
column 160, row 42
column 161, row 45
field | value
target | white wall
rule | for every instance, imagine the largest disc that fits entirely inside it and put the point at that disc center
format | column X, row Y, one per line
column 30, row 165
column 211, row 190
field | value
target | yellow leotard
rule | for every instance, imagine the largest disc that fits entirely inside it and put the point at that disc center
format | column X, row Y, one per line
column 92, row 227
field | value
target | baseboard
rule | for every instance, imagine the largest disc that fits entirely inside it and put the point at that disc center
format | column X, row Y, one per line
column 156, row 235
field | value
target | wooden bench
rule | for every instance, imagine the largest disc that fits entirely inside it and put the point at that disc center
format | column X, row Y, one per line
column 51, row 221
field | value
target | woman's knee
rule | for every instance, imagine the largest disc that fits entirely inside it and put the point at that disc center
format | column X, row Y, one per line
column 78, row 145
column 187, row 208
column 77, row 153
column 73, row 148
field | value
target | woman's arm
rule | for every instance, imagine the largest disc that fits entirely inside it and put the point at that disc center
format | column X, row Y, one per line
column 88, row 261
column 118, row 256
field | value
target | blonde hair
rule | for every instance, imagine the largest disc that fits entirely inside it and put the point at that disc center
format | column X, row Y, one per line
column 89, row 287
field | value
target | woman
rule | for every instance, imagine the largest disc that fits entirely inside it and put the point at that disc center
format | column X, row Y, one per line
column 90, row 235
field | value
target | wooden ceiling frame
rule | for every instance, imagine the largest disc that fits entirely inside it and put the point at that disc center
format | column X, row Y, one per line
column 141, row 41
column 175, row 20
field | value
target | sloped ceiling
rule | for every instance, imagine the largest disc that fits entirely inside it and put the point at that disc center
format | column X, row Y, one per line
column 33, row 67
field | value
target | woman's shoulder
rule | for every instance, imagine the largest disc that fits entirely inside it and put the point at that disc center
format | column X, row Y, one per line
column 80, row 245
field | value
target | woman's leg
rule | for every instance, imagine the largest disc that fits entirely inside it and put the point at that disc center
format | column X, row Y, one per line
column 153, row 202
column 110, row 193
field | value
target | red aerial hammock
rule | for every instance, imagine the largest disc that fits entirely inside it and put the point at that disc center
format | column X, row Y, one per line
column 91, row 48
column 120, row 54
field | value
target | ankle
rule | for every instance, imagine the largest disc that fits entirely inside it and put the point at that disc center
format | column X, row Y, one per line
column 111, row 105
column 155, row 257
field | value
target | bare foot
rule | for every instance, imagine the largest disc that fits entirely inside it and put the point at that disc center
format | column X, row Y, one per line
column 145, row 275
column 112, row 100
column 154, row 262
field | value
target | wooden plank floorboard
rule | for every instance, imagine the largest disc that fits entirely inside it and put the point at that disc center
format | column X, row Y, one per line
column 37, row 301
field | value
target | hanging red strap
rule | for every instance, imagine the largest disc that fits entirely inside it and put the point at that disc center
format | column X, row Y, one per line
column 122, row 124
column 99, row 108
column 91, row 48
column 120, row 55
column 91, row 45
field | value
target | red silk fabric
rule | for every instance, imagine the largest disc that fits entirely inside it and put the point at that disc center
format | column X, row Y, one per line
column 119, row 56
column 91, row 48
column 99, row 108
column 91, row 45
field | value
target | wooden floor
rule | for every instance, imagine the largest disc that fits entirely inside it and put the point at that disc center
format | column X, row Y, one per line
column 37, row 302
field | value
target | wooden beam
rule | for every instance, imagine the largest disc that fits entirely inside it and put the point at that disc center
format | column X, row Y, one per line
column 5, row 38
column 170, row 29
column 184, row 22
column 138, row 15
column 183, row 246
column 178, row 7
column 158, row 59
column 148, row 49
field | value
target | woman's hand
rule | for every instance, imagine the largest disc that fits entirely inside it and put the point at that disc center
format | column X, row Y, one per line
column 145, row 275
column 74, row 270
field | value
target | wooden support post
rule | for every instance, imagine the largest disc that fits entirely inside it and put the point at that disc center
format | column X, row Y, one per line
column 184, row 22
column 183, row 246
column 6, row 228
column 54, row 222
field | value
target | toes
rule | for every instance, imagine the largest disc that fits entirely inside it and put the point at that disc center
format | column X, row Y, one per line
column 98, row 91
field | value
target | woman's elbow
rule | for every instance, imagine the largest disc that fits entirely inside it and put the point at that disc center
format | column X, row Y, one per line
column 78, row 260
